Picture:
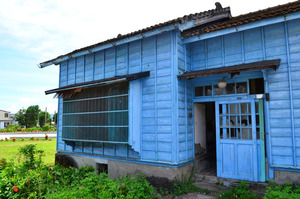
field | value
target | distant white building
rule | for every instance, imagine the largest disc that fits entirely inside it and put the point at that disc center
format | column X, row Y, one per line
column 6, row 118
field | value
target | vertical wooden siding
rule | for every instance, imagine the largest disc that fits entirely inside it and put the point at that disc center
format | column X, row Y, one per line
column 185, row 92
column 281, row 41
column 154, row 54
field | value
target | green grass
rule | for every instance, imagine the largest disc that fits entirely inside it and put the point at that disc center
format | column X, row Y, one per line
column 9, row 149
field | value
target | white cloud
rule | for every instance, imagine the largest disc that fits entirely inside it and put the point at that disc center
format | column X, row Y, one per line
column 34, row 31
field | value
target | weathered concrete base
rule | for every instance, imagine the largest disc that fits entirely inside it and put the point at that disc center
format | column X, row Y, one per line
column 282, row 177
column 158, row 176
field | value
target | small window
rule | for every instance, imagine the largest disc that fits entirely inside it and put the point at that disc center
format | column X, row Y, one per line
column 208, row 91
column 230, row 88
column 217, row 90
column 241, row 87
column 256, row 86
column 6, row 115
column 199, row 91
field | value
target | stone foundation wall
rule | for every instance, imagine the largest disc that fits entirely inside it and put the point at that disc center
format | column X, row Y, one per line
column 158, row 176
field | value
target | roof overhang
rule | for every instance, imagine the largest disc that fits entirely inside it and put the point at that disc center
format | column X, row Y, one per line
column 78, row 87
column 233, row 70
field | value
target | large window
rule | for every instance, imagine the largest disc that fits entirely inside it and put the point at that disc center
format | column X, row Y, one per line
column 98, row 114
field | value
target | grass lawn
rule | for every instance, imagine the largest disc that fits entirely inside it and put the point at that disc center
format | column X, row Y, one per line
column 9, row 149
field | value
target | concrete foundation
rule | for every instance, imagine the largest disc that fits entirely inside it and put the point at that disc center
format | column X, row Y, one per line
column 282, row 177
column 158, row 176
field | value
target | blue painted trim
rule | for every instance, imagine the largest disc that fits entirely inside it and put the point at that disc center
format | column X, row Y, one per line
column 67, row 73
column 75, row 69
column 218, row 148
column 84, row 113
column 175, row 125
column 291, row 92
column 185, row 105
column 82, row 141
column 206, row 52
column 242, row 46
column 115, row 54
column 135, row 96
column 155, row 97
column 94, row 98
column 57, row 128
column 127, row 61
column 84, row 66
column 94, row 63
column 248, row 26
column 281, row 167
column 109, row 45
column 223, row 50
column 104, row 62
column 162, row 164
column 120, row 126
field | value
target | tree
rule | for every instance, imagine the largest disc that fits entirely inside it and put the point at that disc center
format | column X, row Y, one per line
column 21, row 117
column 42, row 118
column 55, row 118
column 32, row 115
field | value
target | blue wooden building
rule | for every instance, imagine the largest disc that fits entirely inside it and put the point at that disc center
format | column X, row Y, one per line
column 206, row 91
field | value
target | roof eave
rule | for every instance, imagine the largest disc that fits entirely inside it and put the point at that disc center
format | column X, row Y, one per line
column 103, row 46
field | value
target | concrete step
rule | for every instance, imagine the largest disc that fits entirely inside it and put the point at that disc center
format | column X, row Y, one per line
column 216, row 184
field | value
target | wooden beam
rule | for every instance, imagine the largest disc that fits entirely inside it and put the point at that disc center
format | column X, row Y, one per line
column 235, row 69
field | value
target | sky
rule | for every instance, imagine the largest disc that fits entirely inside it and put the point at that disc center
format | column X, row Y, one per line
column 34, row 31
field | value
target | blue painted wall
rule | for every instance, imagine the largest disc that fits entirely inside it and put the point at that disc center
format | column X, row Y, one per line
column 164, row 139
column 167, row 134
column 282, row 112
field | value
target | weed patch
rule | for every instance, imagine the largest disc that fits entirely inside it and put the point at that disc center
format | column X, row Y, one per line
column 241, row 191
column 33, row 179
column 288, row 191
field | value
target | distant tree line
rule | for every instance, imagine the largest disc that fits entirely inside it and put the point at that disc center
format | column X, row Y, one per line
column 33, row 116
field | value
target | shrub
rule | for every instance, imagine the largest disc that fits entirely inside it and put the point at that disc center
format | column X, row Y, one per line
column 288, row 191
column 32, row 179
column 3, row 163
column 46, row 137
column 46, row 127
column 32, row 138
column 14, row 139
column 241, row 191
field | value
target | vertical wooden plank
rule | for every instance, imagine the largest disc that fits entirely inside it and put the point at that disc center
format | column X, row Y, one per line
column 262, row 141
column 155, row 98
column 291, row 92
column 218, row 148
column 254, row 142
column 175, row 125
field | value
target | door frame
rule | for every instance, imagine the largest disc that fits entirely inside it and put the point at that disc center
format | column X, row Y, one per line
column 261, row 172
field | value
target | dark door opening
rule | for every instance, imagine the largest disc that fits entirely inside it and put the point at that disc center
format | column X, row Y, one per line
column 205, row 138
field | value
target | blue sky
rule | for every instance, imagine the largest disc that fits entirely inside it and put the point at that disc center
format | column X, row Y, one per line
column 34, row 31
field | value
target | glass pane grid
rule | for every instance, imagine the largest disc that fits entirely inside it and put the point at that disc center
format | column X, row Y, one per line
column 214, row 90
column 235, row 121
column 99, row 114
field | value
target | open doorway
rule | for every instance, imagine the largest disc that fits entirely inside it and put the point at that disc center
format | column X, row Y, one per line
column 205, row 138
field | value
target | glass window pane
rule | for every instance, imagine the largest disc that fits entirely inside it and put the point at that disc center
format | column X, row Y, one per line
column 230, row 88
column 234, row 109
column 208, row 90
column 218, row 91
column 241, row 87
column 246, row 108
column 257, row 133
column 199, row 91
column 98, row 114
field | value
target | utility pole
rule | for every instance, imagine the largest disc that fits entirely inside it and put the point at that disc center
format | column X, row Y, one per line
column 45, row 115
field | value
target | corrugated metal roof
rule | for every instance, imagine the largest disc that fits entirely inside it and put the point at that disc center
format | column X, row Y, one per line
column 279, row 10
column 180, row 20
